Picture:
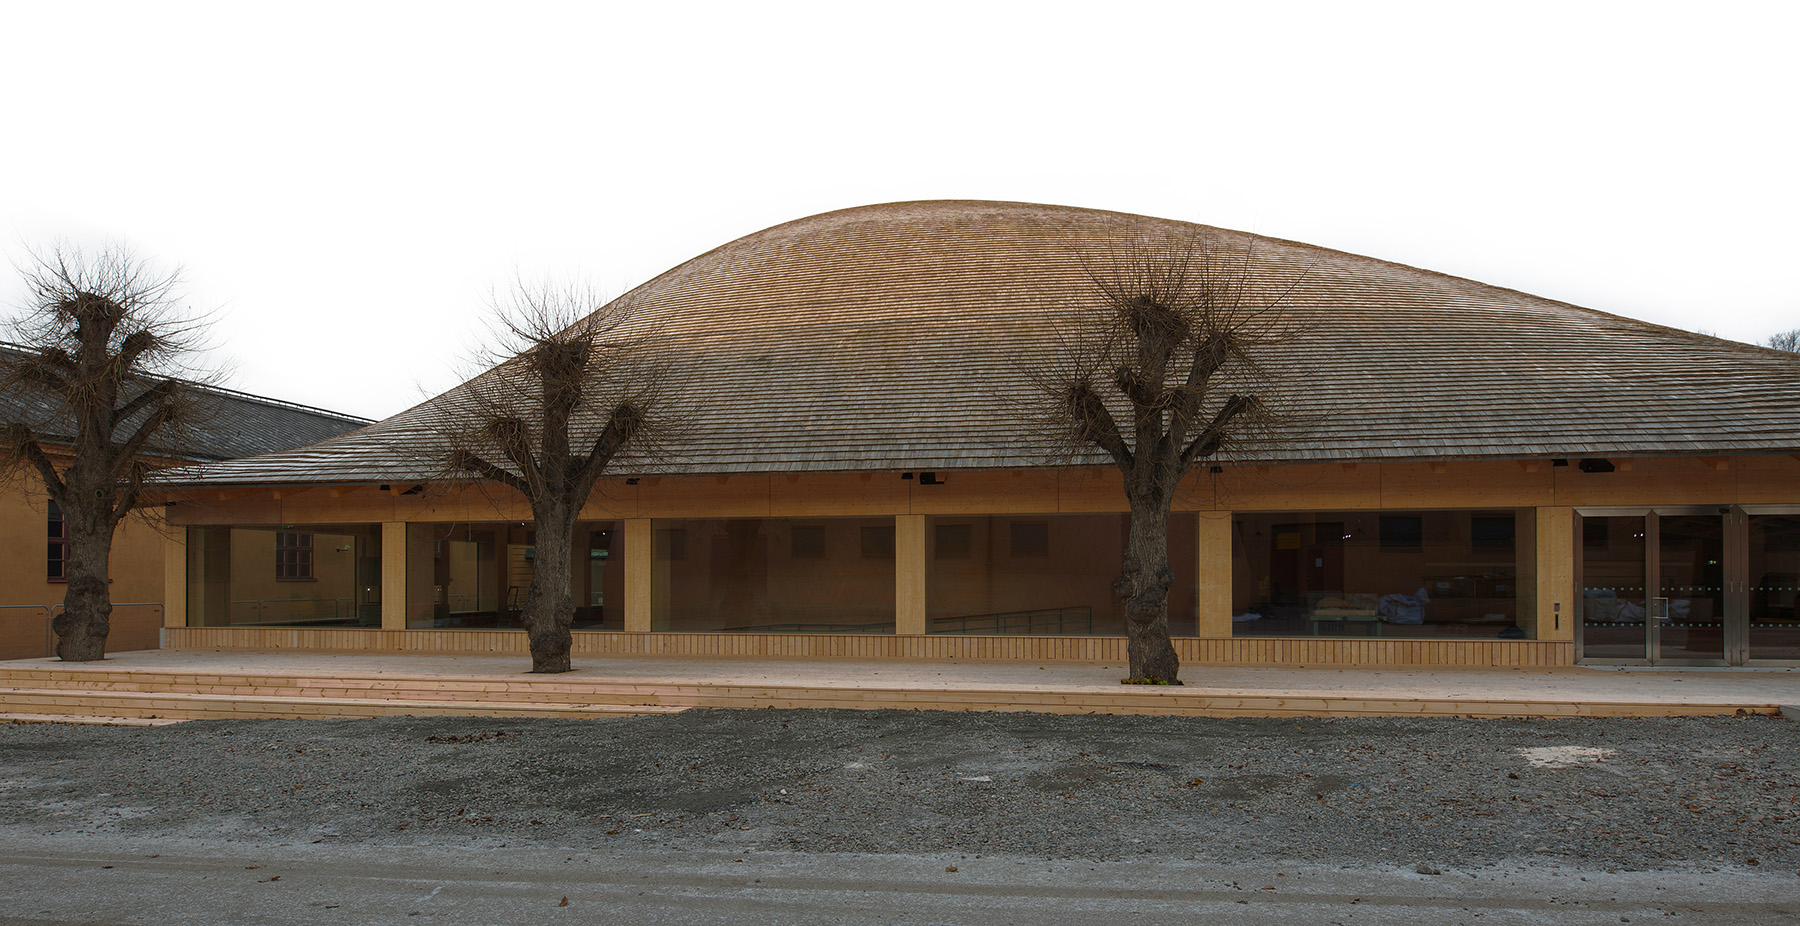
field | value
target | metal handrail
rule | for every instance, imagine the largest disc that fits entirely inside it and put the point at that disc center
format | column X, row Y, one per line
column 47, row 615
column 1041, row 621
column 258, row 605
column 50, row 611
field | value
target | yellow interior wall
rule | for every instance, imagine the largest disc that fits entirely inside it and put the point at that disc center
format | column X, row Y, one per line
column 136, row 569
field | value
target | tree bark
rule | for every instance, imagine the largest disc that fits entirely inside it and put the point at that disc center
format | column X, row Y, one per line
column 549, row 612
column 1143, row 587
column 87, row 601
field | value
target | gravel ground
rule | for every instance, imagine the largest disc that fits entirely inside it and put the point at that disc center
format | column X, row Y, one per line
column 1423, row 794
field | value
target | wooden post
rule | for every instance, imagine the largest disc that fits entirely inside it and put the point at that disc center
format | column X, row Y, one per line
column 393, row 575
column 637, row 575
column 174, row 576
column 1213, row 575
column 909, row 574
column 1558, row 607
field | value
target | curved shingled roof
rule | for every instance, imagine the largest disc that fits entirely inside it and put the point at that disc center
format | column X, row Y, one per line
column 898, row 337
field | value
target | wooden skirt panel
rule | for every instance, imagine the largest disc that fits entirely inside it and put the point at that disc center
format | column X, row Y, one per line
column 1193, row 651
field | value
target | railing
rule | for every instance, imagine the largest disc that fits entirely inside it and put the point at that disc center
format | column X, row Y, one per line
column 48, row 613
column 880, row 627
column 1051, row 621
column 343, row 611
column 44, row 613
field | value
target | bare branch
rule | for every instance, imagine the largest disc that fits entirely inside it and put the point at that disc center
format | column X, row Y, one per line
column 575, row 387
column 100, row 343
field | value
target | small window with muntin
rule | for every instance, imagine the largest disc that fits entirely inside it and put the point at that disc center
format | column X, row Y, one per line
column 293, row 556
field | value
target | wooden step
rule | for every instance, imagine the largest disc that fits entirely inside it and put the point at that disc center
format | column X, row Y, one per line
column 95, row 719
column 160, row 693
column 187, row 706
column 327, row 699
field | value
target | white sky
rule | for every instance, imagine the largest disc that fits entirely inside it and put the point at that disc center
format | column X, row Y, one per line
column 347, row 182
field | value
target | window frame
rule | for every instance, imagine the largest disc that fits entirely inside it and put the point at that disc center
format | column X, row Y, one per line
column 301, row 548
column 56, row 554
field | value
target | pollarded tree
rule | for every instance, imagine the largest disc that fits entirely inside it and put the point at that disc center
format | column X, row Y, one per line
column 1162, row 375
column 573, row 393
column 88, row 396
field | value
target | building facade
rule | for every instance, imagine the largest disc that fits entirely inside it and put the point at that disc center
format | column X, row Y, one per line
column 33, row 545
column 1462, row 475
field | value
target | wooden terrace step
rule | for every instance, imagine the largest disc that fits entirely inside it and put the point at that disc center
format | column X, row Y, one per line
column 187, row 695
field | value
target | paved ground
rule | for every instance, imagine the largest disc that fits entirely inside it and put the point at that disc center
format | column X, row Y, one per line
column 749, row 817
column 149, row 884
column 1774, row 686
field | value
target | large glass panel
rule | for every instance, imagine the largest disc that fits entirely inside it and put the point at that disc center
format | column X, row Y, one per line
column 476, row 576
column 315, row 575
column 1043, row 574
column 1691, row 582
column 1774, row 586
column 1614, row 615
column 818, row 575
column 1430, row 574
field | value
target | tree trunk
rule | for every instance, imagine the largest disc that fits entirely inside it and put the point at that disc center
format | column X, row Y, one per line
column 1143, row 587
column 549, row 603
column 87, row 602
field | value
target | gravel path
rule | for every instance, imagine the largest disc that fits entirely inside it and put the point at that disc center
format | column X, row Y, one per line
column 1424, row 794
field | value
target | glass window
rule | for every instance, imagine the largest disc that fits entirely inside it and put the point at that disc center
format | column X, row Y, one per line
column 808, row 541
column 1430, row 574
column 1049, row 575
column 293, row 556
column 1774, row 586
column 774, row 575
column 950, row 541
column 878, row 541
column 56, row 556
column 326, row 576
column 477, row 576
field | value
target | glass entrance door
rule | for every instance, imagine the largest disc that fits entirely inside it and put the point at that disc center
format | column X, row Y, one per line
column 1615, row 625
column 1654, row 587
column 1690, row 581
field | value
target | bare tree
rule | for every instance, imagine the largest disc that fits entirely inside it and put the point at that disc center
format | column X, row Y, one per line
column 1161, row 374
column 1786, row 340
column 574, row 392
column 89, row 396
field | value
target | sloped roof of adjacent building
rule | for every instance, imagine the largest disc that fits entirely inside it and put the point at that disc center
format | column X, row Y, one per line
column 907, row 336
column 236, row 424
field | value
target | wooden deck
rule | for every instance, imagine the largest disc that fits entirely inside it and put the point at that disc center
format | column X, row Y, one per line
column 1270, row 651
column 182, row 685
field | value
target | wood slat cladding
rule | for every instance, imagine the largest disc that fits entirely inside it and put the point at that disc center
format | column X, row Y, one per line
column 1193, row 651
column 1762, row 479
column 902, row 336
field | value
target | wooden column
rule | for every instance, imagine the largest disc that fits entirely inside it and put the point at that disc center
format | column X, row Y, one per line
column 393, row 575
column 1212, row 540
column 174, row 576
column 909, row 574
column 1557, row 605
column 638, row 566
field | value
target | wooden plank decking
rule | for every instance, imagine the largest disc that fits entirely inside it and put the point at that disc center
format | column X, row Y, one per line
column 190, row 685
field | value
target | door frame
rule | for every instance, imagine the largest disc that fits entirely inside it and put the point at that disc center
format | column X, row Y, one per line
column 1734, row 622
column 1736, row 574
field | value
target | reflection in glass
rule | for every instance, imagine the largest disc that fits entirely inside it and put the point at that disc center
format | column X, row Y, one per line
column 1413, row 574
column 1691, row 582
column 1044, row 574
column 773, row 575
column 1774, row 586
column 318, row 575
column 1614, row 619
column 476, row 576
